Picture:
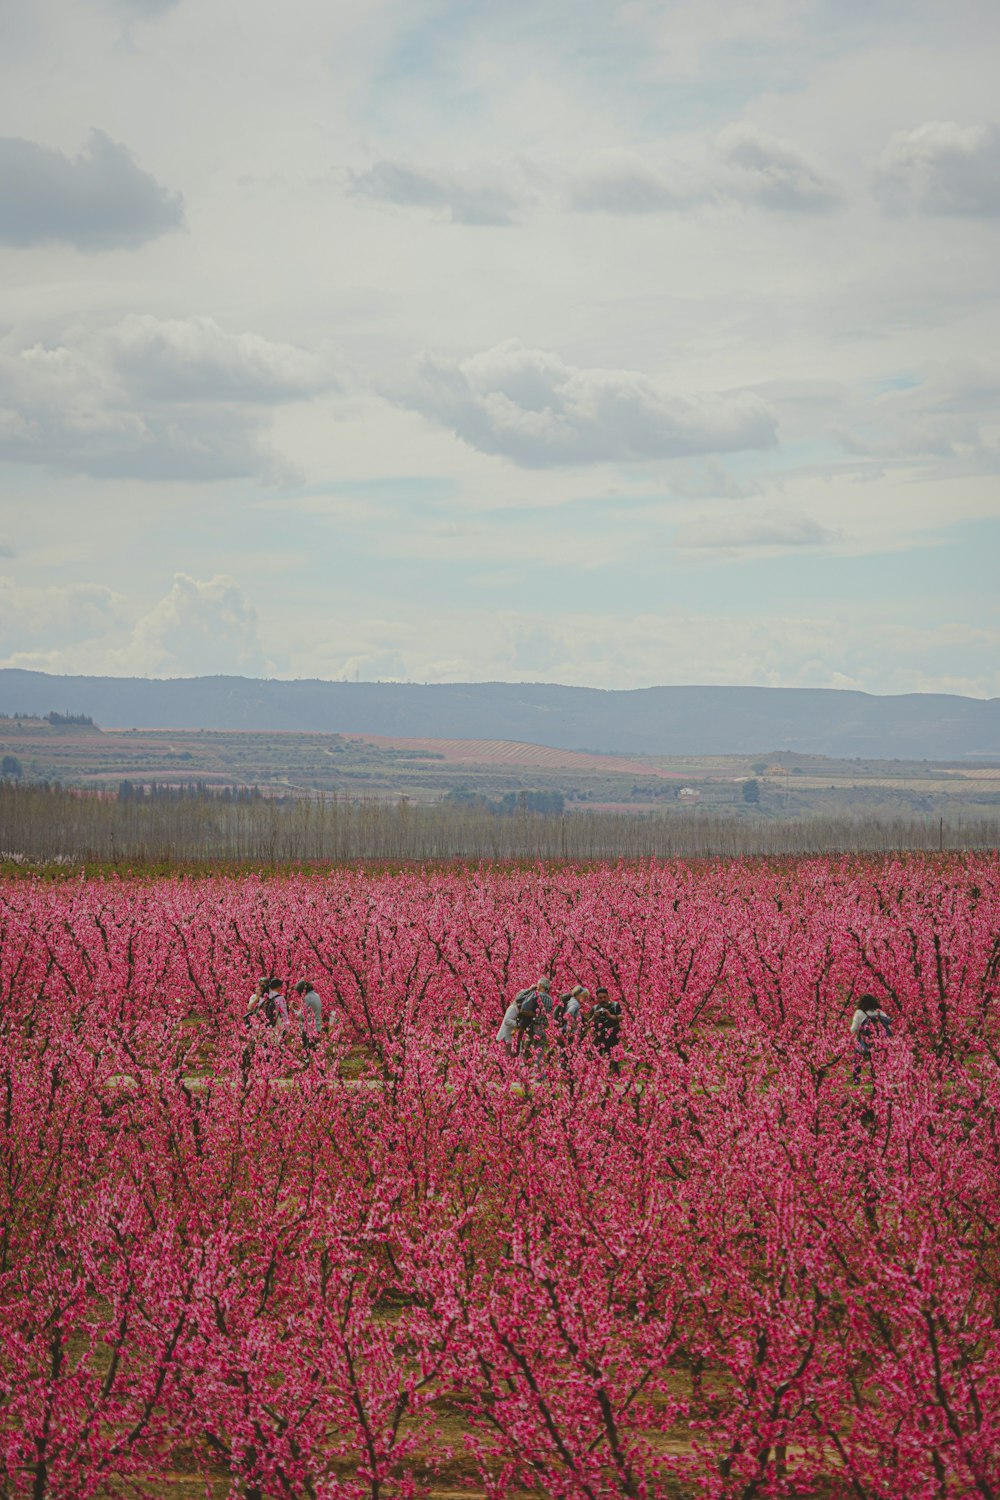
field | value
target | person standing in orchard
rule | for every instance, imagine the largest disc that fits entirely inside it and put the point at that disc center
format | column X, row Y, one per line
column 312, row 1013
column 569, row 1013
column 606, row 1024
column 508, row 1028
column 534, row 1007
column 868, row 1023
column 539, row 1033
column 256, row 1001
column 271, row 1007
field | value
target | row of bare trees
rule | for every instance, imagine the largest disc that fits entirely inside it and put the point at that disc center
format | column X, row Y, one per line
column 39, row 823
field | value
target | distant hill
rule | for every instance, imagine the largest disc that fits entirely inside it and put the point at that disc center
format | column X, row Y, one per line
column 651, row 721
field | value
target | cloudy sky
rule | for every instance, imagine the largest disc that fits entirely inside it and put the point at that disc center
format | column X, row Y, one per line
column 612, row 342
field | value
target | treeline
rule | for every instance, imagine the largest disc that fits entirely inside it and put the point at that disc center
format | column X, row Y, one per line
column 160, row 791
column 78, row 721
column 42, row 823
column 511, row 803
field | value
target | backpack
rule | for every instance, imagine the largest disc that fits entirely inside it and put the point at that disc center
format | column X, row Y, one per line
column 527, row 1008
column 870, row 1027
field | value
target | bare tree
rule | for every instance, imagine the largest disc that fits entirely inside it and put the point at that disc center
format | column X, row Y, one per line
column 44, row 823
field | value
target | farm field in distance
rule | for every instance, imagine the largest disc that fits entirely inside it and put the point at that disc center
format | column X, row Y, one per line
column 716, row 1250
column 296, row 764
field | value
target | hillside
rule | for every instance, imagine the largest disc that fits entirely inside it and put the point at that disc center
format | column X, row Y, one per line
column 650, row 721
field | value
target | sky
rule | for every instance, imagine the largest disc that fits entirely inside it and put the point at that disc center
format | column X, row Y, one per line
column 614, row 344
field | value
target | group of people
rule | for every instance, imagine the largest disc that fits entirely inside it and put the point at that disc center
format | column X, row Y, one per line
column 269, row 1006
column 535, row 1021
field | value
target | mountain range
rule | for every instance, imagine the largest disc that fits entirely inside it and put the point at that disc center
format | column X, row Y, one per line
column 651, row 721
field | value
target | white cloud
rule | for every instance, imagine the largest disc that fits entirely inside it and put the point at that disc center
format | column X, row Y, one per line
column 374, row 664
column 684, row 33
column 150, row 399
column 471, row 197
column 695, row 265
column 770, row 529
column 201, row 627
column 770, row 173
column 708, row 481
column 193, row 359
column 743, row 165
column 529, row 406
column 623, row 182
column 854, row 648
column 98, row 200
column 942, row 168
column 37, row 620
column 947, row 417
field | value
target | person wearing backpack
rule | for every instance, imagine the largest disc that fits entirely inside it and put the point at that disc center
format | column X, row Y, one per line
column 568, row 1013
column 272, row 1008
column 534, row 1007
column 868, row 1023
column 267, row 1003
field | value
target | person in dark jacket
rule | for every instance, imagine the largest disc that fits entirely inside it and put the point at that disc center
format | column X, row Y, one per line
column 534, row 1011
column 606, row 1024
column 868, row 1023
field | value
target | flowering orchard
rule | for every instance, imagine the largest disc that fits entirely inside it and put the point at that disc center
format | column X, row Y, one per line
column 708, row 1264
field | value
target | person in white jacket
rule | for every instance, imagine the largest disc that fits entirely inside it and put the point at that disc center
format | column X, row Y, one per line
column 508, row 1028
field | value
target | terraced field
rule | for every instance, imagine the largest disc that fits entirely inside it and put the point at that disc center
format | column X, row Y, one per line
column 517, row 753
